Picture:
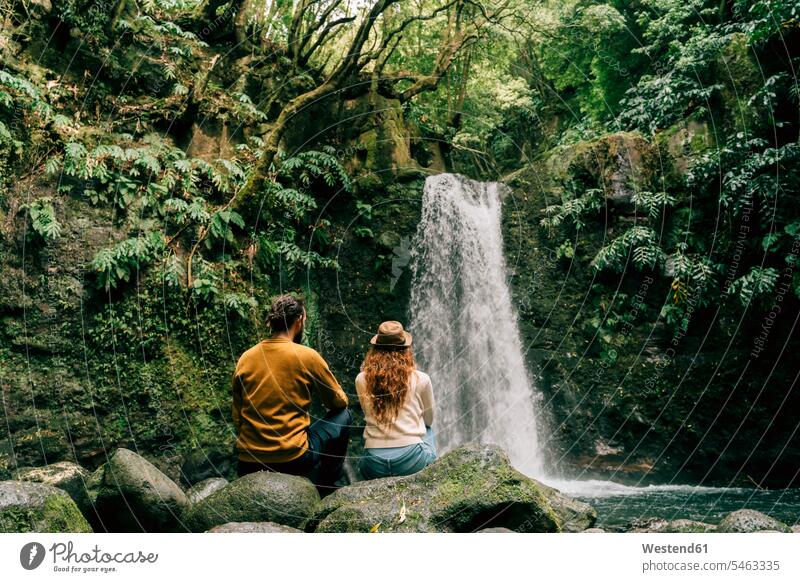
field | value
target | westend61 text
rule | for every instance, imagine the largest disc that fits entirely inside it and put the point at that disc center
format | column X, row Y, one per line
column 670, row 549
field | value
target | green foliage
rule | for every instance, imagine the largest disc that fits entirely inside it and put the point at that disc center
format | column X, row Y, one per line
column 575, row 210
column 728, row 227
column 116, row 264
column 192, row 199
column 588, row 55
column 43, row 219
column 759, row 281
column 638, row 245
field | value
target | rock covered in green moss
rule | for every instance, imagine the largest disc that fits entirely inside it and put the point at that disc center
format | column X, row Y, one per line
column 253, row 527
column 261, row 496
column 748, row 521
column 471, row 488
column 130, row 494
column 204, row 488
column 620, row 163
column 575, row 516
column 64, row 475
column 37, row 507
column 740, row 74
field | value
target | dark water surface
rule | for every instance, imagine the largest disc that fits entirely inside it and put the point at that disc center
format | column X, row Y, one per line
column 620, row 504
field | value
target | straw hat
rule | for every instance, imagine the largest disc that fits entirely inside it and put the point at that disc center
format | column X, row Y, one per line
column 391, row 335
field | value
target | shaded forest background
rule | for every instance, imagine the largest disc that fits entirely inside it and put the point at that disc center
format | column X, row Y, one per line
column 167, row 166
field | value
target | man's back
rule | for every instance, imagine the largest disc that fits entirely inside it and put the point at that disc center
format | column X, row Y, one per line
column 272, row 389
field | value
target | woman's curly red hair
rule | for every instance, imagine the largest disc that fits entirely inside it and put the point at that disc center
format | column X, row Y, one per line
column 387, row 374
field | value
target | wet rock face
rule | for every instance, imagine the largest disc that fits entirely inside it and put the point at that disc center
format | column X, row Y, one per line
column 263, row 496
column 749, row 520
column 469, row 489
column 129, row 494
column 37, row 507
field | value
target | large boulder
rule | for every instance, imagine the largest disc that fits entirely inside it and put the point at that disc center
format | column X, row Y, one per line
column 130, row 494
column 657, row 525
column 469, row 489
column 203, row 489
column 36, row 507
column 748, row 521
column 575, row 516
column 253, row 527
column 620, row 164
column 69, row 477
column 260, row 496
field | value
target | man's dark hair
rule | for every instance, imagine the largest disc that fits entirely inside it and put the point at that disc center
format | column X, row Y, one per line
column 285, row 310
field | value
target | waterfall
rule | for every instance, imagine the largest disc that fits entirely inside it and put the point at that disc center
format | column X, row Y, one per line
column 465, row 326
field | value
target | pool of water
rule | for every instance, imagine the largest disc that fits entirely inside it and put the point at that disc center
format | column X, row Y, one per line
column 618, row 504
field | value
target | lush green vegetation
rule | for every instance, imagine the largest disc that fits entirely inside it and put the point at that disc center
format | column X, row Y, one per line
column 166, row 166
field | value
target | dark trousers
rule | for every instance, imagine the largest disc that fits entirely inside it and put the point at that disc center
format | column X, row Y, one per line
column 323, row 460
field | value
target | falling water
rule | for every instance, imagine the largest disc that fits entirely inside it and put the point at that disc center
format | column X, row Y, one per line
column 466, row 338
column 464, row 323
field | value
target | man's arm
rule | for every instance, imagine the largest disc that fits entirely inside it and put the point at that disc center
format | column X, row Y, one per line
column 236, row 391
column 328, row 388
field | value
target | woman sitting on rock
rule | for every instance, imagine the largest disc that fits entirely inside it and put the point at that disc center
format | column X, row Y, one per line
column 397, row 400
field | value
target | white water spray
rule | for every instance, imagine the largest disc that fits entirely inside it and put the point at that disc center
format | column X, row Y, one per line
column 465, row 325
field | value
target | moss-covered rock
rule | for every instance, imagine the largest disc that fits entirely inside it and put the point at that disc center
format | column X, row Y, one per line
column 253, row 527
column 681, row 144
column 471, row 488
column 748, row 521
column 261, row 496
column 575, row 516
column 69, row 477
column 130, row 494
column 203, row 489
column 740, row 75
column 37, row 507
column 620, row 164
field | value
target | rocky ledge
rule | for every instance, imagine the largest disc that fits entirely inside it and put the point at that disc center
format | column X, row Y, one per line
column 471, row 489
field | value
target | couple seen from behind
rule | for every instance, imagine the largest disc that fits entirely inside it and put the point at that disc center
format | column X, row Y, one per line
column 276, row 381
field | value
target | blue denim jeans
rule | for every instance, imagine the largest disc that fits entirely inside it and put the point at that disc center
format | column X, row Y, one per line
column 395, row 461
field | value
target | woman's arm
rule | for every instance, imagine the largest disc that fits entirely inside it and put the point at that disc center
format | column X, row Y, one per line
column 426, row 395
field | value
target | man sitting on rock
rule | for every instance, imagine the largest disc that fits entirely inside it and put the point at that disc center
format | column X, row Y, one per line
column 272, row 389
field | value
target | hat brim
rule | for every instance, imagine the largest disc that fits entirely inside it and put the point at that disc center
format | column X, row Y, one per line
column 406, row 344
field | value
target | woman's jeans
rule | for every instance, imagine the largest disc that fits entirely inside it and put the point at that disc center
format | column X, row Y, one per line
column 394, row 461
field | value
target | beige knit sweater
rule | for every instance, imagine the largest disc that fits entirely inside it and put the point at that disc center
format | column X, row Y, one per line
column 412, row 418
